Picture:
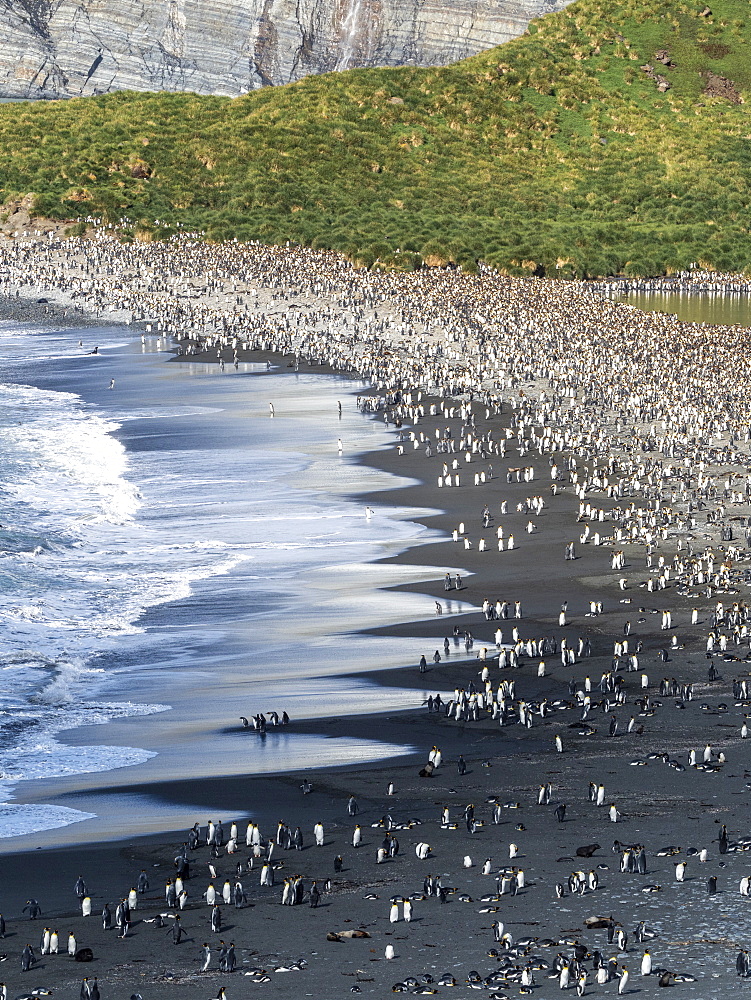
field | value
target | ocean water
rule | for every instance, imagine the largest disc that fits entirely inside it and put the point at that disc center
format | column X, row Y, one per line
column 173, row 557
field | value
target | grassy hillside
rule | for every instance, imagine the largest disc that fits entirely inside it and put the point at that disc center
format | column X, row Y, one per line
column 556, row 151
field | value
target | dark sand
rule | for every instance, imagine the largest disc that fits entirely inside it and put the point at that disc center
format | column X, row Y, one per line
column 44, row 311
column 660, row 806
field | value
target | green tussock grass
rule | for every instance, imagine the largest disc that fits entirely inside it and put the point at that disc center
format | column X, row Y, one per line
column 554, row 153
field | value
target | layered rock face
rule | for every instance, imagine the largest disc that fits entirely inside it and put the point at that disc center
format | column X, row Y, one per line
column 73, row 48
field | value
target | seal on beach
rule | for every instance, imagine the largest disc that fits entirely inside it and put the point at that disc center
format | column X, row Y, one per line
column 587, row 851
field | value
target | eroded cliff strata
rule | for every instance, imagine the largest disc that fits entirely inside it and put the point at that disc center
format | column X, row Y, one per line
column 71, row 48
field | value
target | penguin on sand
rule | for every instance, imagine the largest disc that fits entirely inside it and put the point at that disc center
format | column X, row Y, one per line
column 742, row 964
column 623, row 980
column 177, row 931
column 27, row 958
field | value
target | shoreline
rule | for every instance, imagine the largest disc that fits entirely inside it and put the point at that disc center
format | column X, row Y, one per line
column 656, row 804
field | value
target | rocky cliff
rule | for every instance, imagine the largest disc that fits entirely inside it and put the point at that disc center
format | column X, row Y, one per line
column 70, row 48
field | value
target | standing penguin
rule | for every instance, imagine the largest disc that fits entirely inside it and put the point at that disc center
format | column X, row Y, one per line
column 170, row 894
column 216, row 919
column 623, row 981
column 563, row 976
column 106, row 917
column 72, row 944
column 205, row 956
column 27, row 958
column 394, row 913
column 86, row 906
column 54, row 943
column 646, row 964
column 723, row 839
column 124, row 920
column 741, row 963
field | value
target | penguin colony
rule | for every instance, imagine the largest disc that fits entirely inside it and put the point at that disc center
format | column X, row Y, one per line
column 618, row 443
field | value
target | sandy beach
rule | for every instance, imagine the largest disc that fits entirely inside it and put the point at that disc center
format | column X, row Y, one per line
column 516, row 863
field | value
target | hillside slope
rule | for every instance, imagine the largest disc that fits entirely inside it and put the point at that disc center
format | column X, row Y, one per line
column 609, row 137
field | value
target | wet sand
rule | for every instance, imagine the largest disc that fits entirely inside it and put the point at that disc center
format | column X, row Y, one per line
column 658, row 805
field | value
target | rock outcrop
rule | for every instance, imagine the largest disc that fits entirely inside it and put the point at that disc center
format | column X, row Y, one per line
column 71, row 48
